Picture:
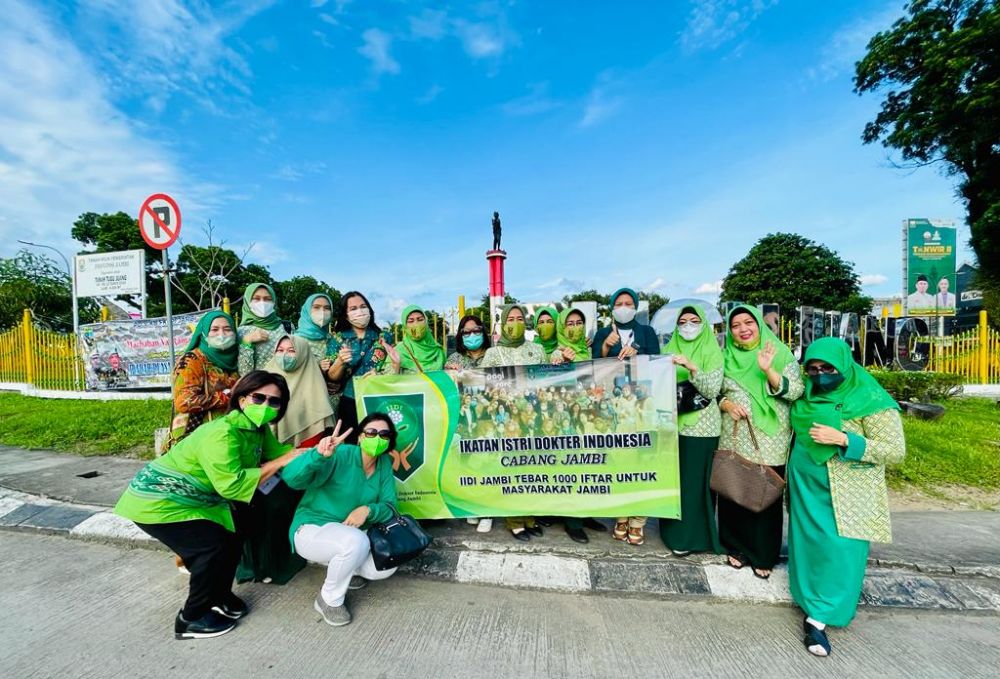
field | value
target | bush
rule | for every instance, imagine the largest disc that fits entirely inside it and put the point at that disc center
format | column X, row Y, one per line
column 906, row 385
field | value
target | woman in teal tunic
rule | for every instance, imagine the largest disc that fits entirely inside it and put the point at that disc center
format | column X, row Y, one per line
column 847, row 428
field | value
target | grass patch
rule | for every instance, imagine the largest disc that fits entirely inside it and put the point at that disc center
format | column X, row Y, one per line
column 961, row 448
column 83, row 427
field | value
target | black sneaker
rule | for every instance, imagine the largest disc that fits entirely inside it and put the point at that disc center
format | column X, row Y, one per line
column 207, row 626
column 233, row 607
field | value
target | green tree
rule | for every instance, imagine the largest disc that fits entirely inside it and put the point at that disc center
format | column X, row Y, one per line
column 940, row 67
column 293, row 293
column 35, row 282
column 791, row 271
column 655, row 299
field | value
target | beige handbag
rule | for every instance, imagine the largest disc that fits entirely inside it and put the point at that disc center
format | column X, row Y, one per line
column 749, row 484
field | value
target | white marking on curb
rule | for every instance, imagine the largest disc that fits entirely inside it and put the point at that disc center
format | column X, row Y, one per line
column 541, row 571
column 108, row 525
column 730, row 583
column 8, row 504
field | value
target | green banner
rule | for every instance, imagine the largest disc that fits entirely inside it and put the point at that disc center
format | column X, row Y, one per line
column 930, row 268
column 595, row 438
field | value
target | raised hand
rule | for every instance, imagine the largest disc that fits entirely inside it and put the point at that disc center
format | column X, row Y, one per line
column 765, row 357
column 614, row 338
column 325, row 364
column 390, row 351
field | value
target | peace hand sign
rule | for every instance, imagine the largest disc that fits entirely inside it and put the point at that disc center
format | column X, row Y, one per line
column 327, row 445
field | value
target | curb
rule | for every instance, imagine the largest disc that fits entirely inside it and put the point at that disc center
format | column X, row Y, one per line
column 886, row 584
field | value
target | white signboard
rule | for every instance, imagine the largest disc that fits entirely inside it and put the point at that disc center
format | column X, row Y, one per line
column 110, row 273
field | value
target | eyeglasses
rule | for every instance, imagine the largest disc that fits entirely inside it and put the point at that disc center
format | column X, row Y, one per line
column 817, row 369
column 259, row 398
column 373, row 432
column 477, row 331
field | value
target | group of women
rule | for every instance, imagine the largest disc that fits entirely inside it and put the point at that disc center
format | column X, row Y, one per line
column 253, row 400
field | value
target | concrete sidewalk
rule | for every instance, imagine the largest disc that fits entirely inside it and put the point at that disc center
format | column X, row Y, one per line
column 938, row 560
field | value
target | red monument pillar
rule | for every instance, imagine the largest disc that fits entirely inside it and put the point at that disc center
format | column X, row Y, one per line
column 495, row 259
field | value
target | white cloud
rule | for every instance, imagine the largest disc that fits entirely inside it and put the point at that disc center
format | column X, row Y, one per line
column 429, row 24
column 64, row 148
column 535, row 102
column 709, row 288
column 430, row 95
column 562, row 284
column 712, row 23
column 328, row 19
column 602, row 102
column 870, row 279
column 848, row 44
column 488, row 37
column 377, row 44
column 480, row 40
column 658, row 283
column 293, row 172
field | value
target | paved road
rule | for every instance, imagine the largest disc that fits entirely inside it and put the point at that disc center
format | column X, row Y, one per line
column 74, row 609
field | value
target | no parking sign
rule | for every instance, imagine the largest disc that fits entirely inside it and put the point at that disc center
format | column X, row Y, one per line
column 160, row 221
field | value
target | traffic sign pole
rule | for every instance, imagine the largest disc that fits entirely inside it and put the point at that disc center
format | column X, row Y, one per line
column 170, row 310
column 160, row 226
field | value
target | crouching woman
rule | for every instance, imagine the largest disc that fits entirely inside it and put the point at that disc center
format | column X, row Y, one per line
column 348, row 488
column 187, row 498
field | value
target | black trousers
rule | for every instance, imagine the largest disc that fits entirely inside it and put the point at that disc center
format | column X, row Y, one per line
column 347, row 413
column 210, row 552
column 754, row 536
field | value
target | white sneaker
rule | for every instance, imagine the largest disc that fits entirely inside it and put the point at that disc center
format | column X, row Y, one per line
column 472, row 521
column 485, row 526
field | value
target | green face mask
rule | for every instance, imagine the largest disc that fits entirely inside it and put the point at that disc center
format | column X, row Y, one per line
column 546, row 330
column 287, row 361
column 220, row 342
column 417, row 332
column 575, row 333
column 373, row 445
column 260, row 414
column 824, row 382
column 515, row 329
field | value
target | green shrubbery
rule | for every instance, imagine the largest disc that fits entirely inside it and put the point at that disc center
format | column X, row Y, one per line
column 905, row 385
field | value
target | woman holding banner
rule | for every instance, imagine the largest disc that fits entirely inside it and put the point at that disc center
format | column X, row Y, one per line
column 762, row 379
column 471, row 344
column 418, row 352
column 571, row 338
column 512, row 349
column 260, row 328
column 847, row 428
column 625, row 338
column 698, row 360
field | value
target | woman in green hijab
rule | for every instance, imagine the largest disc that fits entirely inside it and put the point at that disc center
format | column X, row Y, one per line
column 545, row 330
column 204, row 375
column 762, row 379
column 260, row 328
column 512, row 349
column 698, row 360
column 419, row 352
column 847, row 428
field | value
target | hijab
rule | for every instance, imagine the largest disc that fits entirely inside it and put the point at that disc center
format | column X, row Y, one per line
column 309, row 411
column 428, row 353
column 307, row 327
column 580, row 348
column 741, row 365
column 269, row 322
column 703, row 351
column 858, row 395
column 550, row 344
column 222, row 358
column 505, row 339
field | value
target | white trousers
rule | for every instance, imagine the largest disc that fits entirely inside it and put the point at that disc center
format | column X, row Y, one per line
column 346, row 552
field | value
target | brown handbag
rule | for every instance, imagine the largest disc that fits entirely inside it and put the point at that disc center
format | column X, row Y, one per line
column 749, row 484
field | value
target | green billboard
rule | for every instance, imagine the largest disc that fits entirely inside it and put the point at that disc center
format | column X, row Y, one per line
column 929, row 267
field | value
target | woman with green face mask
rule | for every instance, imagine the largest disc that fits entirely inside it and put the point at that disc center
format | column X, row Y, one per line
column 260, row 328
column 347, row 489
column 698, row 364
column 512, row 349
column 204, row 375
column 194, row 498
column 847, row 428
column 571, row 346
column 545, row 330
column 762, row 379
column 418, row 352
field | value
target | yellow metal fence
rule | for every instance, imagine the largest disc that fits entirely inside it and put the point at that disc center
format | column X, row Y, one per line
column 45, row 359
column 975, row 355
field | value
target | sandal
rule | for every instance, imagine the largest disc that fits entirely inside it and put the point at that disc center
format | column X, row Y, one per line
column 621, row 530
column 815, row 640
column 760, row 573
column 680, row 552
column 635, row 535
column 735, row 561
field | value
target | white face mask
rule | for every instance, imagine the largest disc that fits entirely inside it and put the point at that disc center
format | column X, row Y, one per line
column 359, row 318
column 221, row 342
column 623, row 314
column 320, row 318
column 262, row 309
column 689, row 330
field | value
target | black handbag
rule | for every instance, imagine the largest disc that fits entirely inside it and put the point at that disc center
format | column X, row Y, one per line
column 396, row 541
column 690, row 399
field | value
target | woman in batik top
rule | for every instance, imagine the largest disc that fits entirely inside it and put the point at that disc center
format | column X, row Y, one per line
column 260, row 328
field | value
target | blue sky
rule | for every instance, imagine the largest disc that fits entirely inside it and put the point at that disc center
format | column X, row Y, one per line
column 367, row 143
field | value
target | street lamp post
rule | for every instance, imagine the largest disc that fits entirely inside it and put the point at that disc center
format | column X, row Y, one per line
column 69, row 270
